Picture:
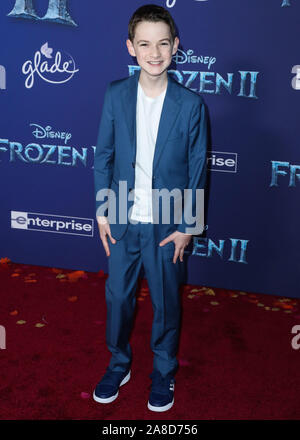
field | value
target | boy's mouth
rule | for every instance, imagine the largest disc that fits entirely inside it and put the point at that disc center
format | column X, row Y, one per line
column 155, row 63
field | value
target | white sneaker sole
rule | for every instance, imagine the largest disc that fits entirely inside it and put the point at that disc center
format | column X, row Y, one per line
column 160, row 408
column 111, row 398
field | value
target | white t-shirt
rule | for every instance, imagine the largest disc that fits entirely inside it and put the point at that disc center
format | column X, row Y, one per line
column 148, row 114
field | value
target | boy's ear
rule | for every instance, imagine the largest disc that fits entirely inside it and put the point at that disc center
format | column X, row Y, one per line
column 175, row 45
column 130, row 48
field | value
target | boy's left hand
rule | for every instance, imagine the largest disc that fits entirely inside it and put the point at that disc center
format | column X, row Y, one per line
column 181, row 241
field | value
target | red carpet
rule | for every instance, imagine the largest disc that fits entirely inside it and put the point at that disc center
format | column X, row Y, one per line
column 236, row 358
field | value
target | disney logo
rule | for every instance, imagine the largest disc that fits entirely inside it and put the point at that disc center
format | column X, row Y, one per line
column 44, row 70
column 182, row 57
column 47, row 132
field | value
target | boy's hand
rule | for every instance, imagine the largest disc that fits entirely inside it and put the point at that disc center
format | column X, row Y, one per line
column 181, row 241
column 104, row 230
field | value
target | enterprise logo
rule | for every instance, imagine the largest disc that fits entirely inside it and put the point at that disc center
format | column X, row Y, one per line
column 36, row 221
column 222, row 161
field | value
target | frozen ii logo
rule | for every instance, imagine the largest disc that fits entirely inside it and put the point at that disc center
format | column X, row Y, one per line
column 46, row 153
column 188, row 70
column 50, row 147
column 54, row 69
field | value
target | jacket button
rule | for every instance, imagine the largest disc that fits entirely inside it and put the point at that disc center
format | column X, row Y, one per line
column 153, row 177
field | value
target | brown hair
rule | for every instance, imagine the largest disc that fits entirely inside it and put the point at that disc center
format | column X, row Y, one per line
column 152, row 13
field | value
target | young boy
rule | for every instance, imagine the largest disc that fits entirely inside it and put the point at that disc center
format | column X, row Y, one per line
column 152, row 136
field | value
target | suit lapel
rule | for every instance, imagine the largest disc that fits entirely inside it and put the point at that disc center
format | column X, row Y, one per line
column 170, row 111
column 129, row 100
column 169, row 114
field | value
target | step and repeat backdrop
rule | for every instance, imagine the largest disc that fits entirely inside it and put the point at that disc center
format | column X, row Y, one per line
column 243, row 57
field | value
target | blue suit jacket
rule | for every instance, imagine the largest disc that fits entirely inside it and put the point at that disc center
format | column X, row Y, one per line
column 180, row 150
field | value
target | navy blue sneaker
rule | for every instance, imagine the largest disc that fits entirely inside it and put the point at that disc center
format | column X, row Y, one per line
column 107, row 389
column 162, row 392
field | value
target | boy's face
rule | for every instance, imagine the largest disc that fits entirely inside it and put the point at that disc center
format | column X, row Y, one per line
column 152, row 46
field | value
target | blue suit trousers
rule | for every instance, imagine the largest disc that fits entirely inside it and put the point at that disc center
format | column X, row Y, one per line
column 137, row 248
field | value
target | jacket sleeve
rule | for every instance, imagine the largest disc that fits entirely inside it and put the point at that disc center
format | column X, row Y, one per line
column 104, row 153
column 198, row 139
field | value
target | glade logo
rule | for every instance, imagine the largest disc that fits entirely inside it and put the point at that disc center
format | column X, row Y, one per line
column 57, row 12
column 61, row 224
column 182, row 57
column 2, row 78
column 296, row 78
column 49, row 72
column 40, row 133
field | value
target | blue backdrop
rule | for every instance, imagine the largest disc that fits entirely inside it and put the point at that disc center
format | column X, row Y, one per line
column 57, row 58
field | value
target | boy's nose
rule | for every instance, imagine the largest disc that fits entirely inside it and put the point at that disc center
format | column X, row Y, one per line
column 155, row 53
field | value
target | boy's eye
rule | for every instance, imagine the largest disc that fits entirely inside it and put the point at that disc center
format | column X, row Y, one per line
column 163, row 44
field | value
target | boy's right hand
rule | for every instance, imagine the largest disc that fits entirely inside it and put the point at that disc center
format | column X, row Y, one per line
column 104, row 230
